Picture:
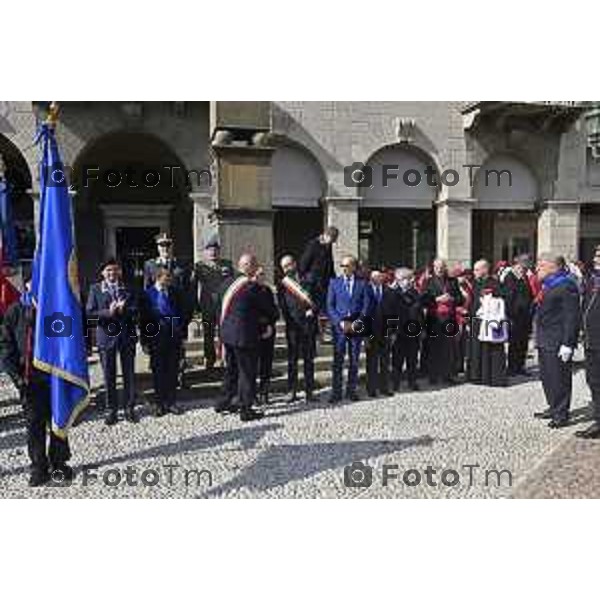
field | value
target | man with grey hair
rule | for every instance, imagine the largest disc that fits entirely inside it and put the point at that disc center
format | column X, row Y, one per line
column 244, row 311
column 557, row 327
column 406, row 345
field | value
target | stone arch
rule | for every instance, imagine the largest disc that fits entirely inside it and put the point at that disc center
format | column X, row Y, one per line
column 406, row 190
column 505, row 182
column 298, row 178
column 298, row 186
column 117, row 195
column 18, row 175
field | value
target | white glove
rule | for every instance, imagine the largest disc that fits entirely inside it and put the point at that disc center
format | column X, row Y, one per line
column 565, row 353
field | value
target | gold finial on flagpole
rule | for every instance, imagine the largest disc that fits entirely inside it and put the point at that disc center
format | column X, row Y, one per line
column 52, row 117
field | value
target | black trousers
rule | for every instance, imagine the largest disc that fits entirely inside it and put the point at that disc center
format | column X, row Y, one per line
column 557, row 380
column 378, row 350
column 208, row 338
column 441, row 359
column 518, row 345
column 43, row 455
column 405, row 352
column 164, row 362
column 301, row 343
column 487, row 363
column 108, row 359
column 592, row 375
column 266, row 353
column 241, row 366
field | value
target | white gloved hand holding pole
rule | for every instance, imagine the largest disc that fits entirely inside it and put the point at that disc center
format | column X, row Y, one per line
column 565, row 353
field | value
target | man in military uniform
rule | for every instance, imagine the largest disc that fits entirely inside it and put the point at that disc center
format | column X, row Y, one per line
column 209, row 276
column 180, row 281
column 300, row 313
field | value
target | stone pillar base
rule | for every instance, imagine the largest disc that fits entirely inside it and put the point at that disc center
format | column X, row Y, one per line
column 558, row 228
column 454, row 239
column 343, row 214
column 241, row 232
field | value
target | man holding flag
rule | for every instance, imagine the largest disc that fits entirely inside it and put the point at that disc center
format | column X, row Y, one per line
column 56, row 338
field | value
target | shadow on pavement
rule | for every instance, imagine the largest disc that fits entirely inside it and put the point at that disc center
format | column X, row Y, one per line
column 286, row 463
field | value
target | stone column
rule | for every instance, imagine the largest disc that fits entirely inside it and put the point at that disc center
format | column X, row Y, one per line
column 558, row 228
column 243, row 203
column 454, row 217
column 343, row 214
column 204, row 226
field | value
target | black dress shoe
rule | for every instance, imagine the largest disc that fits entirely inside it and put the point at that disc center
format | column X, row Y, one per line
column 112, row 418
column 249, row 414
column 225, row 406
column 38, row 478
column 414, row 386
column 544, row 414
column 159, row 410
column 370, row 394
column 354, row 397
column 591, row 433
column 334, row 399
column 174, row 409
column 558, row 424
column 310, row 397
column 130, row 415
column 387, row 393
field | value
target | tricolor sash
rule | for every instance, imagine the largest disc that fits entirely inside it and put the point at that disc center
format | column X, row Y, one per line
column 292, row 286
column 232, row 292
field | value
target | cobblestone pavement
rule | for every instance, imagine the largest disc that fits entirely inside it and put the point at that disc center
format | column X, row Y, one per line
column 301, row 451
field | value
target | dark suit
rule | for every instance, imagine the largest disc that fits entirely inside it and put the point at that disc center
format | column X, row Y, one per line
column 317, row 269
column 343, row 306
column 162, row 332
column 442, row 327
column 266, row 346
column 591, row 330
column 519, row 301
column 300, row 331
column 241, row 324
column 115, row 334
column 410, row 325
column 16, row 355
column 557, row 324
column 383, row 310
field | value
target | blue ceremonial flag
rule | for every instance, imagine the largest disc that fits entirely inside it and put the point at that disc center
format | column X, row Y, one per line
column 59, row 343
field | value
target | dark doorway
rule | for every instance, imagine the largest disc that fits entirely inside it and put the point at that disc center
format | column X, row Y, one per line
column 391, row 237
column 135, row 245
column 293, row 228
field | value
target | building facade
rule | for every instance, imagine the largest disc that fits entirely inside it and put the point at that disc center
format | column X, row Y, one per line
column 403, row 181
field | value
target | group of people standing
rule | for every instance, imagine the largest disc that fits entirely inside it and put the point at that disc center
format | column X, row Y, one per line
column 437, row 323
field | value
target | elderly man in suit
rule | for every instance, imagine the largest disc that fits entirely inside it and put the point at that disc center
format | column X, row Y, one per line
column 111, row 305
column 557, row 328
column 348, row 304
column 384, row 314
column 245, row 309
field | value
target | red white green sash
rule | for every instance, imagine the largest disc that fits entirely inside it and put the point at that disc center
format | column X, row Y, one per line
column 232, row 292
column 292, row 286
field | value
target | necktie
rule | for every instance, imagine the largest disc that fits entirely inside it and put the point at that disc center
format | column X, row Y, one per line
column 349, row 286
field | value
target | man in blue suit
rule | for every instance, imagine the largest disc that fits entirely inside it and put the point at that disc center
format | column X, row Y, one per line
column 348, row 304
column 112, row 305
